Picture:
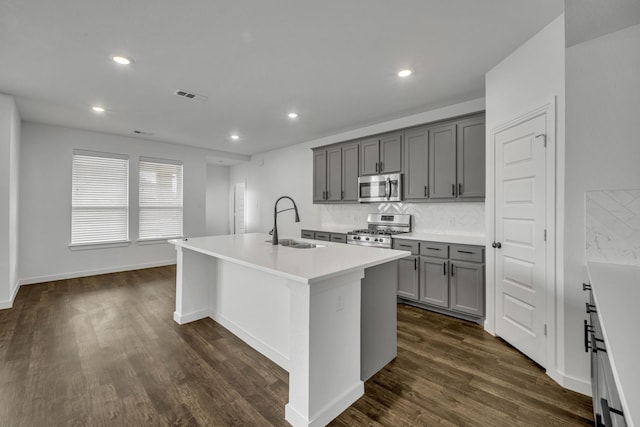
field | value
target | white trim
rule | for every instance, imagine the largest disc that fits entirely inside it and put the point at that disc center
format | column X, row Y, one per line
column 572, row 383
column 324, row 415
column 9, row 303
column 263, row 348
column 85, row 273
column 105, row 245
column 181, row 319
column 548, row 108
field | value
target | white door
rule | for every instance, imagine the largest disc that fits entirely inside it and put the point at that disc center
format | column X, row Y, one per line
column 520, row 235
column 239, row 203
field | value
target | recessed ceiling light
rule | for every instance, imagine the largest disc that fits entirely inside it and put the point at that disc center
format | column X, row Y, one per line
column 404, row 73
column 235, row 137
column 122, row 60
column 98, row 109
column 293, row 115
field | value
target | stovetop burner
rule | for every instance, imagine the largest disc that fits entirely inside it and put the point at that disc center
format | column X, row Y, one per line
column 380, row 229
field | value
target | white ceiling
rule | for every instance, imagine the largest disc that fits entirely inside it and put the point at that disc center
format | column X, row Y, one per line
column 332, row 61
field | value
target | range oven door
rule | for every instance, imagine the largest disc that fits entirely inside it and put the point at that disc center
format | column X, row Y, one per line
column 380, row 188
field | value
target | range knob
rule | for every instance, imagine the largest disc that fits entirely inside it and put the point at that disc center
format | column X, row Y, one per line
column 367, row 238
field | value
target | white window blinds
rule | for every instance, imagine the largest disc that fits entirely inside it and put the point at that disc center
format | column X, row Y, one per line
column 160, row 199
column 100, row 198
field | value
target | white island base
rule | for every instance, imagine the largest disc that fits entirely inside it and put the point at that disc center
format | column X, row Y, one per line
column 329, row 328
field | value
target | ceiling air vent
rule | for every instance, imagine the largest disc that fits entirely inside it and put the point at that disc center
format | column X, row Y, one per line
column 190, row 95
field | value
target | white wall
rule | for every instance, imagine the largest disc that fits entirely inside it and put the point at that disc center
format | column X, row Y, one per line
column 217, row 211
column 289, row 171
column 602, row 152
column 531, row 77
column 45, row 202
column 9, row 178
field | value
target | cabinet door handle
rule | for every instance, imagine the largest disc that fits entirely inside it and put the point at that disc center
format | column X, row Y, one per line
column 402, row 245
column 381, row 168
column 444, row 268
column 415, row 263
column 459, row 189
column 606, row 412
column 453, row 190
column 434, row 249
column 342, row 195
column 466, row 252
column 425, row 191
column 376, row 166
column 451, row 269
column 588, row 329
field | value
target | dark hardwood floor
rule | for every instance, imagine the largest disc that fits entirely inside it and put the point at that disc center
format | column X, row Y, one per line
column 105, row 351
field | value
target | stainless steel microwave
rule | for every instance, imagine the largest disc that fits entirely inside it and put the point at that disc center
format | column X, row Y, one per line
column 380, row 188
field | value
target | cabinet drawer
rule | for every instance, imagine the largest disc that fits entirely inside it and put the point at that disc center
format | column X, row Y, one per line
column 467, row 253
column 308, row 234
column 407, row 245
column 323, row 236
column 433, row 249
column 339, row 237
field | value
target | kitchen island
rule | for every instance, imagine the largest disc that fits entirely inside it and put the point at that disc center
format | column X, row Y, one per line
column 327, row 314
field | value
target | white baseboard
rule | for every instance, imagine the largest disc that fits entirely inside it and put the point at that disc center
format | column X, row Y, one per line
column 85, row 273
column 571, row 383
column 9, row 303
column 329, row 412
column 274, row 355
column 181, row 319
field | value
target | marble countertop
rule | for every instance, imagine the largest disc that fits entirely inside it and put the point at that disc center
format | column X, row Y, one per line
column 616, row 290
column 302, row 265
column 458, row 239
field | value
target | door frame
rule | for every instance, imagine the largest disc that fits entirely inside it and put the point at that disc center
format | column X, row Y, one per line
column 551, row 290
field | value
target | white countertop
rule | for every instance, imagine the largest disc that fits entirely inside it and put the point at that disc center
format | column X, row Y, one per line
column 616, row 290
column 457, row 239
column 329, row 228
column 302, row 265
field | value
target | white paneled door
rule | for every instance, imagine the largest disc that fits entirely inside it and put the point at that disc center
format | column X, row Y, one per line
column 520, row 253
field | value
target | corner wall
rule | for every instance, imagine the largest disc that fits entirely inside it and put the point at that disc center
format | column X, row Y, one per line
column 217, row 212
column 9, row 179
column 530, row 77
column 45, row 203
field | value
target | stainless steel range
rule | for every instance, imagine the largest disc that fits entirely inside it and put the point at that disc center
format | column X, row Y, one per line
column 380, row 228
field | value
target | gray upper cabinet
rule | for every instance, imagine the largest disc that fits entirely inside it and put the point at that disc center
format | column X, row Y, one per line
column 391, row 153
column 381, row 154
column 350, row 172
column 369, row 156
column 416, row 161
column 319, row 175
column 471, row 158
column 334, row 174
column 442, row 162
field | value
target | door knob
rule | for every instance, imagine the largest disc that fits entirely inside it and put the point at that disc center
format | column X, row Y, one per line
column 496, row 245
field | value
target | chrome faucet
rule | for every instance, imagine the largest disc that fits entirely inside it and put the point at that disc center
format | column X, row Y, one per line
column 274, row 241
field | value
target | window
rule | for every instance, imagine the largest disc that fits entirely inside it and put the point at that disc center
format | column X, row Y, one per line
column 160, row 199
column 100, row 198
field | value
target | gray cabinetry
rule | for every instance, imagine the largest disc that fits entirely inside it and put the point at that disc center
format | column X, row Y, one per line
column 434, row 283
column 335, row 174
column 471, row 158
column 450, row 278
column 324, row 235
column 319, row 175
column 350, row 173
column 442, row 162
column 308, row 234
column 416, row 171
column 381, row 154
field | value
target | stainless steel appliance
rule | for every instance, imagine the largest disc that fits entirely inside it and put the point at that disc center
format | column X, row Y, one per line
column 380, row 188
column 380, row 228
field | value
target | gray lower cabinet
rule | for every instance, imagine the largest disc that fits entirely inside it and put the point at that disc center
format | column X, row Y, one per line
column 443, row 277
column 308, row 234
column 324, row 235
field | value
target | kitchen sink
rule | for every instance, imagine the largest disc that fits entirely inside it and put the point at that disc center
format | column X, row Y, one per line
column 297, row 245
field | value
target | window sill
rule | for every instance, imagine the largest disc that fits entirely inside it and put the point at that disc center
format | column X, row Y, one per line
column 106, row 245
column 159, row 241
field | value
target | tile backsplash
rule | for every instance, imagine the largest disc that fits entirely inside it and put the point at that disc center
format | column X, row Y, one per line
column 456, row 218
column 613, row 226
